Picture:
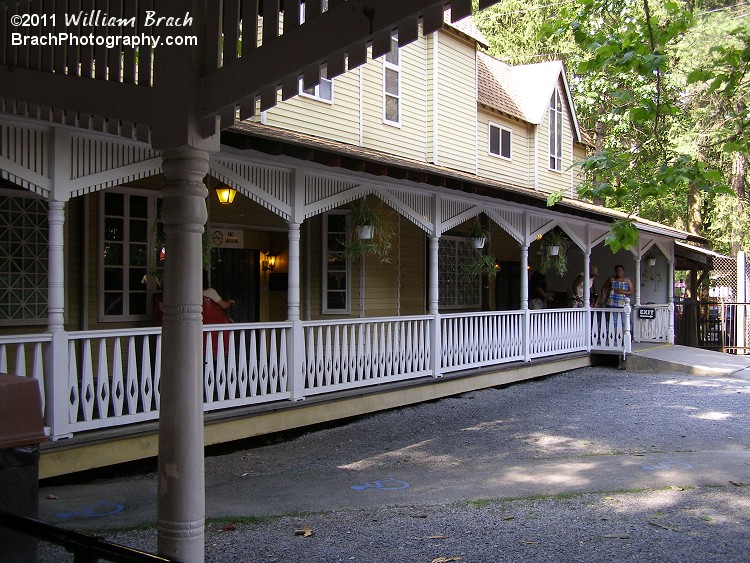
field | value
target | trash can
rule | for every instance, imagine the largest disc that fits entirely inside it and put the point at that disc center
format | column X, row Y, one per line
column 21, row 432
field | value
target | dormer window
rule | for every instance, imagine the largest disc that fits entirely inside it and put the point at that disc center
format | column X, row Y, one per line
column 499, row 142
column 555, row 131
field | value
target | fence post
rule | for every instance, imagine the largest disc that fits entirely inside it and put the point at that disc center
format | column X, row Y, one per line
column 295, row 349
column 626, row 336
column 57, row 387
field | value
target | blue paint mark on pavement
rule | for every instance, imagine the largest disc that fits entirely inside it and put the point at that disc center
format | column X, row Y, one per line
column 668, row 466
column 389, row 484
column 104, row 508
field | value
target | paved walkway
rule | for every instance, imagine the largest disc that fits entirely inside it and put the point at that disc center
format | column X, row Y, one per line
column 621, row 430
column 654, row 356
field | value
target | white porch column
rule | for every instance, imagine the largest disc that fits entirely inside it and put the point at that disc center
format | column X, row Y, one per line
column 433, row 306
column 525, row 300
column 626, row 335
column 587, row 297
column 637, row 293
column 57, row 384
column 295, row 338
column 181, row 485
column 57, row 387
column 670, row 299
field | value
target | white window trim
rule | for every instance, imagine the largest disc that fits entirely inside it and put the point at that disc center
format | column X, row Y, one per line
column 556, row 109
column 500, row 129
column 151, row 217
column 397, row 69
column 324, row 277
column 317, row 96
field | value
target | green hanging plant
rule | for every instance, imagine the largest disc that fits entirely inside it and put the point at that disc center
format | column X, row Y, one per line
column 553, row 253
column 484, row 265
column 478, row 234
column 369, row 234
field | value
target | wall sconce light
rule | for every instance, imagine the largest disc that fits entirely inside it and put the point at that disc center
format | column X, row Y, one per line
column 225, row 194
column 269, row 262
column 497, row 265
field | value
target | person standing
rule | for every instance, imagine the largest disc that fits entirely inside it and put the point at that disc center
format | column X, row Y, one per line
column 578, row 287
column 538, row 294
column 617, row 289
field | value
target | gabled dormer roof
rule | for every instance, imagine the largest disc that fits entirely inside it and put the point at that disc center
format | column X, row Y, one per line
column 466, row 27
column 523, row 91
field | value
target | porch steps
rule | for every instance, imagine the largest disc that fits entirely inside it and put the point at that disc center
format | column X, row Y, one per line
column 121, row 445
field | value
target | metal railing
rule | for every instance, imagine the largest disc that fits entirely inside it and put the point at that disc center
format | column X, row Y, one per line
column 713, row 325
column 85, row 548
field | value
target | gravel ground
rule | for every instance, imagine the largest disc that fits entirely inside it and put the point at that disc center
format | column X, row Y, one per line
column 595, row 411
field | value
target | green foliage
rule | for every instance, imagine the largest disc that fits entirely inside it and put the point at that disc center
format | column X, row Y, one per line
column 556, row 264
column 382, row 240
column 484, row 264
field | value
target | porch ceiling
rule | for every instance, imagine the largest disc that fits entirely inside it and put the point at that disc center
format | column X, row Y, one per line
column 250, row 136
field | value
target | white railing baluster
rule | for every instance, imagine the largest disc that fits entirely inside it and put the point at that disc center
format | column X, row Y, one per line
column 242, row 370
column 157, row 372
column 209, row 375
column 328, row 358
column 231, row 388
column 263, row 369
column 131, row 381
column 102, row 380
column 253, row 369
column 118, row 379
column 87, row 382
column 147, row 381
column 73, row 394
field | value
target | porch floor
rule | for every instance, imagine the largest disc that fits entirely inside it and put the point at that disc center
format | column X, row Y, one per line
column 655, row 356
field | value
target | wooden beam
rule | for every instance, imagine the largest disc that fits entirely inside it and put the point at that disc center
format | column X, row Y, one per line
column 347, row 25
column 113, row 100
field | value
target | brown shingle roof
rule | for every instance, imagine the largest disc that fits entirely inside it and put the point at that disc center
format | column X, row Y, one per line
column 495, row 87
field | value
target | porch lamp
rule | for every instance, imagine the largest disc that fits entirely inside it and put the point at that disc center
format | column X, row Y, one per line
column 225, row 194
column 269, row 262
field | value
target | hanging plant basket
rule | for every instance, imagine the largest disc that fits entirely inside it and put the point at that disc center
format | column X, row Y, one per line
column 652, row 261
column 553, row 250
column 478, row 242
column 365, row 232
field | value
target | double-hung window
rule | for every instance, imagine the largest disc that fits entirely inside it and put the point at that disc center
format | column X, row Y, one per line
column 555, row 131
column 324, row 90
column 128, row 255
column 392, row 84
column 499, row 142
column 336, row 264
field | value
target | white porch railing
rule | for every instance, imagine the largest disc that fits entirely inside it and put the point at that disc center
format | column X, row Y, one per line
column 656, row 329
column 480, row 339
column 610, row 330
column 556, row 331
column 111, row 378
column 355, row 353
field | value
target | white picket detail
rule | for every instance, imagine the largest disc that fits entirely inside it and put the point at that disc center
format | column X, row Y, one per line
column 652, row 330
column 607, row 329
column 356, row 353
column 245, row 364
column 16, row 352
column 480, row 339
column 113, row 376
column 557, row 331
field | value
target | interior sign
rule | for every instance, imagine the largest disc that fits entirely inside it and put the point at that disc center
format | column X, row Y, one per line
column 226, row 238
column 647, row 314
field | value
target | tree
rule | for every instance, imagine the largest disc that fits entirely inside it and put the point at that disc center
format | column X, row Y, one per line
column 631, row 91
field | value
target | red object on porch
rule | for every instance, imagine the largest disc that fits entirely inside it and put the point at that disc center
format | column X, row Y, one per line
column 212, row 315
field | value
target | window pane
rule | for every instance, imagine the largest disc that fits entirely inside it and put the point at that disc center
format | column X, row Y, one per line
column 138, row 255
column 113, row 279
column 505, row 145
column 391, row 81
column 112, row 254
column 336, row 222
column 326, row 89
column 137, row 303
column 494, row 140
column 113, row 303
column 137, row 277
column 138, row 230
column 392, row 55
column 114, row 204
column 336, row 300
column 139, row 207
column 391, row 108
column 113, row 229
